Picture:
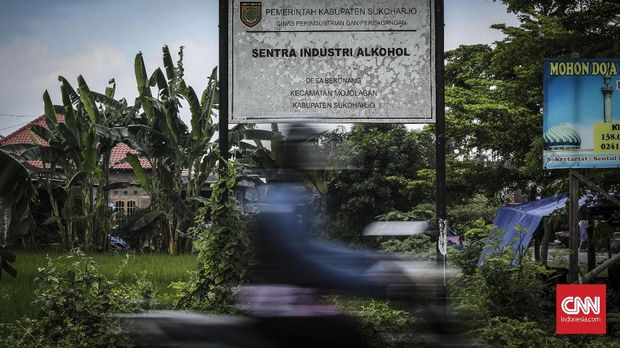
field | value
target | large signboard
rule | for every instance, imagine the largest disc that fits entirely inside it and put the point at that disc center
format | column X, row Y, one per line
column 331, row 61
column 581, row 113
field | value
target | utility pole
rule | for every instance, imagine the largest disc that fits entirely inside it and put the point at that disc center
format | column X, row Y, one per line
column 223, row 82
column 573, row 227
column 223, row 91
column 440, row 137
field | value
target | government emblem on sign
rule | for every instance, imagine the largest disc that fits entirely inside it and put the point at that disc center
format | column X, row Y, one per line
column 251, row 13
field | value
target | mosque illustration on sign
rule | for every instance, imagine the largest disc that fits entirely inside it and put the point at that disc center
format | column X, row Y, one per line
column 562, row 137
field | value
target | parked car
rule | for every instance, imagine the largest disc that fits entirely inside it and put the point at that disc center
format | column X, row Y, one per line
column 118, row 244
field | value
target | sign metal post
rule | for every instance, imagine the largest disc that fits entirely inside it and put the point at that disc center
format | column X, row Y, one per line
column 223, row 83
column 440, row 135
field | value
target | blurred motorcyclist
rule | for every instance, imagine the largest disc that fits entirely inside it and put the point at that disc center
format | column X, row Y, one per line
column 285, row 249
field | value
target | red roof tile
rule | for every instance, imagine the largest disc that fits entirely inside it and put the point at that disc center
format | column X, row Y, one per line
column 118, row 153
column 22, row 135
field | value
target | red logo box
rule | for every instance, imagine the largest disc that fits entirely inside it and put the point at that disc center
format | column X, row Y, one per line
column 581, row 309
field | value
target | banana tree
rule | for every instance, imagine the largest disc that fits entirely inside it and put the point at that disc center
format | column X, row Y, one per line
column 75, row 156
column 101, row 124
column 174, row 150
column 16, row 192
column 49, row 147
column 171, row 148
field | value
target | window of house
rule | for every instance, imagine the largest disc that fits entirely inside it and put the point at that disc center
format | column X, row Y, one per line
column 131, row 207
column 119, row 209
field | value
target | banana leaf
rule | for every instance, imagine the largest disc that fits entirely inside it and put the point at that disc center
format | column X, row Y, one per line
column 50, row 111
column 118, row 185
column 141, row 77
column 41, row 132
column 108, row 101
column 159, row 79
column 16, row 191
column 168, row 64
column 88, row 101
column 72, row 95
column 145, row 220
column 110, row 90
column 6, row 258
column 144, row 180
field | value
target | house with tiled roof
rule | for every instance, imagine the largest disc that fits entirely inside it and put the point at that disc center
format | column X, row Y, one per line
column 126, row 199
column 130, row 198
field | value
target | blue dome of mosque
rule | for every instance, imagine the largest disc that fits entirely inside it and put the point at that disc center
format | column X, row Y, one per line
column 562, row 137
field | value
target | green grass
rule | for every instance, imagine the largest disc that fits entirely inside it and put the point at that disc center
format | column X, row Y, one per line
column 16, row 294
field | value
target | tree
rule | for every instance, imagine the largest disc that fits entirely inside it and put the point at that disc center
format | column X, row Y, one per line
column 494, row 118
column 173, row 150
column 75, row 156
column 389, row 170
column 225, row 253
column 162, row 139
column 489, row 132
column 17, row 192
column 551, row 29
column 494, row 94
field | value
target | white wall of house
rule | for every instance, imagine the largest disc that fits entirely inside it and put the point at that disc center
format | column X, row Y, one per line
column 129, row 198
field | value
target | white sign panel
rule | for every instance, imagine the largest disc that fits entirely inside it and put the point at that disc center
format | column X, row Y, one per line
column 331, row 61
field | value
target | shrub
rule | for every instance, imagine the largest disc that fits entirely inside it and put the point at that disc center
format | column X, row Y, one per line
column 503, row 287
column 479, row 209
column 144, row 237
column 382, row 325
column 224, row 252
column 514, row 289
column 507, row 332
column 417, row 246
column 76, row 305
column 474, row 238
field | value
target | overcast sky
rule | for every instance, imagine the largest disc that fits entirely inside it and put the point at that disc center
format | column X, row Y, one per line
column 42, row 39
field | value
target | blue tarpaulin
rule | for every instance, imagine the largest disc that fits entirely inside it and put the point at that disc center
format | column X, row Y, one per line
column 516, row 224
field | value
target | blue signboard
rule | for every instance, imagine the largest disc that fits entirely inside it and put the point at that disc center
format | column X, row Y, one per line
column 581, row 113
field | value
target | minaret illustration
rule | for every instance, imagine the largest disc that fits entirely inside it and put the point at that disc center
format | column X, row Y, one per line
column 607, row 91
